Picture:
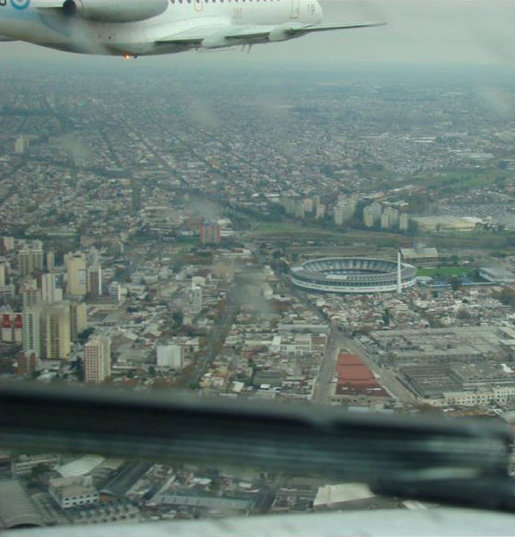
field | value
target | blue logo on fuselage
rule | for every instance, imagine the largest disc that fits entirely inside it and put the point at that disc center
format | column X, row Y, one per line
column 20, row 4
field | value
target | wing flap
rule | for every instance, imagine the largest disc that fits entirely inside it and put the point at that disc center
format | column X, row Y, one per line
column 264, row 31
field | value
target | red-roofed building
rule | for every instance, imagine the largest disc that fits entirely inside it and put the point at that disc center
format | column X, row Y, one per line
column 11, row 327
column 351, row 370
column 349, row 359
column 356, row 382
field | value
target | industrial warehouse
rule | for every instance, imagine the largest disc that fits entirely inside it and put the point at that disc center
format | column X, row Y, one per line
column 353, row 275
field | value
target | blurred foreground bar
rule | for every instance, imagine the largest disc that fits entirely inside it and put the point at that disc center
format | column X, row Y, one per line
column 301, row 439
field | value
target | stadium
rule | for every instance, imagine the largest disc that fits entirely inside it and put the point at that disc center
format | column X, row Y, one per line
column 353, row 275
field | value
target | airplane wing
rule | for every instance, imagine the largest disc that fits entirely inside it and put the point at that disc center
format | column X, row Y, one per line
column 310, row 29
column 227, row 35
column 197, row 35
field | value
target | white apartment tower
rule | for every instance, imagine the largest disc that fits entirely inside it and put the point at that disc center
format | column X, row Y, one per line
column 78, row 319
column 50, row 261
column 57, row 331
column 97, row 359
column 76, row 278
column 29, row 260
column 51, row 289
column 31, row 296
column 196, row 299
column 32, row 335
column 368, row 217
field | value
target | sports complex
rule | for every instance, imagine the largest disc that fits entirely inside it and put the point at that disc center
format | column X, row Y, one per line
column 353, row 275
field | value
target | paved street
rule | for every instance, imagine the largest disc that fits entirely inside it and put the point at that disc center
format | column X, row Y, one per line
column 326, row 372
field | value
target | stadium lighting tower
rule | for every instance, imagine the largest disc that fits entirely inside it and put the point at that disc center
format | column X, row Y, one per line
column 399, row 280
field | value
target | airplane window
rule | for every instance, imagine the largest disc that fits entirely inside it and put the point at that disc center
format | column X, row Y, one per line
column 306, row 219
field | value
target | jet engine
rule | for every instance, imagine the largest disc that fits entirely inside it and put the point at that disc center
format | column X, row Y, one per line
column 114, row 10
column 279, row 34
column 216, row 41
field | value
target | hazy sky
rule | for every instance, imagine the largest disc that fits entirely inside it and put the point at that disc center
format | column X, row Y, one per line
column 425, row 31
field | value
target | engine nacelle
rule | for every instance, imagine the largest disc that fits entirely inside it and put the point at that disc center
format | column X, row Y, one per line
column 216, row 41
column 279, row 34
column 114, row 10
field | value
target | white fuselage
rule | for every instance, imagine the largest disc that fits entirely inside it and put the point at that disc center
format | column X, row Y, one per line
column 33, row 22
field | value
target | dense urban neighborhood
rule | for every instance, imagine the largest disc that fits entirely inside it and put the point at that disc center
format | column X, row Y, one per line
column 354, row 249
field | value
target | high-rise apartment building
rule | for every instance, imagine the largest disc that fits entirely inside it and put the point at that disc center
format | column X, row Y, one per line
column 385, row 221
column 78, row 319
column 95, row 281
column 6, row 244
column 50, row 261
column 115, row 292
column 11, row 328
column 320, row 212
column 29, row 260
column 31, row 296
column 3, row 274
column 196, row 299
column 97, row 359
column 57, row 331
column 368, row 217
column 32, row 332
column 6, row 329
column 76, row 279
column 299, row 210
column 344, row 211
column 51, row 288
